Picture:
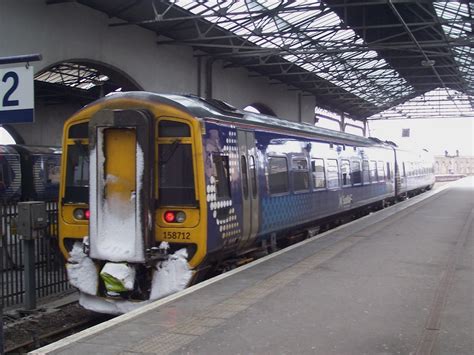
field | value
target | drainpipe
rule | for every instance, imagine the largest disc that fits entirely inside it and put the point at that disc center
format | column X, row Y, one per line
column 199, row 76
column 342, row 124
column 299, row 108
column 208, row 92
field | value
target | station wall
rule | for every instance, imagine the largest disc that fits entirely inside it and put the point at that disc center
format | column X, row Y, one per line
column 70, row 31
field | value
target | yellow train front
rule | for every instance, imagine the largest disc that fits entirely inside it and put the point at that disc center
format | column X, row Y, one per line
column 132, row 221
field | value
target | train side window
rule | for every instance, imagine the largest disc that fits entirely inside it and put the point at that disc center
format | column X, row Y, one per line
column 365, row 172
column 373, row 170
column 389, row 172
column 77, row 173
column 245, row 179
column 221, row 175
column 332, row 169
column 173, row 129
column 300, row 175
column 355, row 172
column 253, row 176
column 345, row 172
column 404, row 170
column 380, row 170
column 277, row 175
column 319, row 176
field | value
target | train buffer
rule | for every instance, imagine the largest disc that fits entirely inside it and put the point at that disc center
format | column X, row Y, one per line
column 397, row 281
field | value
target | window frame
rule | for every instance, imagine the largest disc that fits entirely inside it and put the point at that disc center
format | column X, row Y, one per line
column 229, row 187
column 365, row 172
column 337, row 174
column 182, row 140
column 380, row 167
column 345, row 164
column 269, row 158
column 374, row 178
column 244, row 177
column 298, row 171
column 252, row 167
column 313, row 172
column 358, row 162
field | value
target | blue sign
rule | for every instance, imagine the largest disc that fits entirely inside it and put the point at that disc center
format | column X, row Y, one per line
column 16, row 95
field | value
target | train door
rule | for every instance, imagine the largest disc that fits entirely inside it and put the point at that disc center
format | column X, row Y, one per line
column 120, row 185
column 249, row 186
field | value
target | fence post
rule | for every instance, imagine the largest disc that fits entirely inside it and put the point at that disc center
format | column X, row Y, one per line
column 32, row 220
column 2, row 341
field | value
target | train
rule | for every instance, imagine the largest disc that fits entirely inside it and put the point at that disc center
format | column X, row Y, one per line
column 29, row 173
column 159, row 191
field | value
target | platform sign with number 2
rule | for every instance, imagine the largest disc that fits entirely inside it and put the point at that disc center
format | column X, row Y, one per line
column 16, row 95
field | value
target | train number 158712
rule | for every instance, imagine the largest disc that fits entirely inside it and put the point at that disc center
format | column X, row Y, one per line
column 177, row 235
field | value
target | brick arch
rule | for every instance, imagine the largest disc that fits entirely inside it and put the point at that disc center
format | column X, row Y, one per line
column 261, row 108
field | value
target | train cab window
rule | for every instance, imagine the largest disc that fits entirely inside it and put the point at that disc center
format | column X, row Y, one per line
column 245, row 179
column 176, row 174
column 77, row 173
column 345, row 172
column 380, row 170
column 78, row 131
column 356, row 174
column 332, row 169
column 277, row 175
column 365, row 172
column 373, row 170
column 300, row 175
column 173, row 129
column 253, row 176
column 221, row 175
column 52, row 171
column 319, row 176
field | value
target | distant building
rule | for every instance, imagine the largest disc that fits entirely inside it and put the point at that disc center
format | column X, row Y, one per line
column 457, row 164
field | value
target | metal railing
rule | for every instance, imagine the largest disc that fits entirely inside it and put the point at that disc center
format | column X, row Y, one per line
column 50, row 272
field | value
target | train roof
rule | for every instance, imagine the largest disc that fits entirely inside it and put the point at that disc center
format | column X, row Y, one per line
column 210, row 108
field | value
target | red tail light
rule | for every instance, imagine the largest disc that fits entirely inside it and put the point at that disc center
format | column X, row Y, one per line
column 169, row 216
column 87, row 214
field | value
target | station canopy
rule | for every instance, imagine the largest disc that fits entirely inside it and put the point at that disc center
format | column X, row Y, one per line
column 356, row 57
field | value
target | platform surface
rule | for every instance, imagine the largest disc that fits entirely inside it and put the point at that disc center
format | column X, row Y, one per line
column 399, row 281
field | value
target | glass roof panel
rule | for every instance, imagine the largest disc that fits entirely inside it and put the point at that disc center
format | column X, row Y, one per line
column 305, row 31
column 439, row 103
column 73, row 75
column 457, row 25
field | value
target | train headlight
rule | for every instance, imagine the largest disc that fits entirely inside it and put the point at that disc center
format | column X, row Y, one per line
column 79, row 213
column 180, row 217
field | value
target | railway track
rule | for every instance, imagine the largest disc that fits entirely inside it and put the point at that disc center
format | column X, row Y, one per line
column 43, row 328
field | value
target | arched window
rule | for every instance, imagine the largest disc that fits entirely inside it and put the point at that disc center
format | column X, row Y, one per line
column 5, row 137
column 260, row 108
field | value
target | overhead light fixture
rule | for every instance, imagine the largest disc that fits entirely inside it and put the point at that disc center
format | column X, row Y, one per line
column 428, row 63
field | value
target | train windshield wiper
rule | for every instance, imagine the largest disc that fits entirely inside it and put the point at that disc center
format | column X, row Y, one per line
column 172, row 149
column 82, row 150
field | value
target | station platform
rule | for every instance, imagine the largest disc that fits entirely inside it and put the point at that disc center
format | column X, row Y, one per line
column 399, row 281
